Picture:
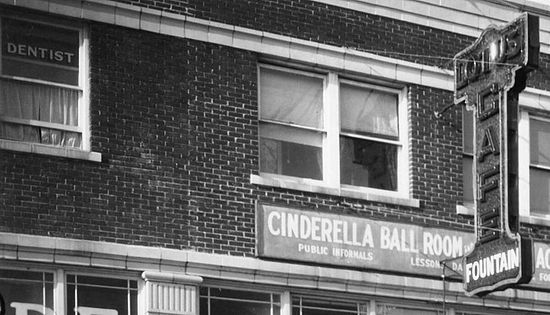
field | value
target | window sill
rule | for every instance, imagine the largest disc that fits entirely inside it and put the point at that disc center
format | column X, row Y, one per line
column 304, row 185
column 466, row 209
column 37, row 148
column 535, row 220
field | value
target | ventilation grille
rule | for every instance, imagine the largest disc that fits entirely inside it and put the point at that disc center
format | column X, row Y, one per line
column 167, row 298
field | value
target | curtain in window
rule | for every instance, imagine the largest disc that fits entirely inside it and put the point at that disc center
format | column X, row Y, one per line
column 38, row 102
column 291, row 98
column 367, row 111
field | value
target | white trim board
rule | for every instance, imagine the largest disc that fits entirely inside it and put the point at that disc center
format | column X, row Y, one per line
column 466, row 17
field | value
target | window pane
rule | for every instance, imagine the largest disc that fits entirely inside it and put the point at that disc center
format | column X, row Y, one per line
column 95, row 295
column 368, row 111
column 29, row 101
column 386, row 309
column 291, row 98
column 540, row 191
column 26, row 292
column 236, row 302
column 468, row 130
column 468, row 179
column 319, row 306
column 40, row 51
column 539, row 142
column 290, row 151
column 368, row 163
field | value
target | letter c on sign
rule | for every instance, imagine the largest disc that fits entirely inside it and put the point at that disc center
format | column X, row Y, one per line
column 270, row 226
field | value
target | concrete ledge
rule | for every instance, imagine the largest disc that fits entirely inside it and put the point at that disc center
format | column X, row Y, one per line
column 197, row 267
column 306, row 185
column 37, row 148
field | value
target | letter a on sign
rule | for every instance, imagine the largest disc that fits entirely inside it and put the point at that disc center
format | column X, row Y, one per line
column 489, row 75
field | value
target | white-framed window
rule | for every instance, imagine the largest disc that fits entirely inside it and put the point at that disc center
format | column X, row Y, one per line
column 44, row 97
column 90, row 295
column 539, row 166
column 218, row 301
column 29, row 290
column 23, row 291
column 325, row 130
column 534, row 169
column 534, row 164
column 311, row 305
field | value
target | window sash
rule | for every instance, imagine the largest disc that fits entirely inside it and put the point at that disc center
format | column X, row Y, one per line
column 302, row 103
column 56, row 131
column 332, row 132
column 380, row 107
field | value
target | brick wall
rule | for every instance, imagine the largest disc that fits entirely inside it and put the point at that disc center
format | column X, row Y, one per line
column 176, row 123
column 309, row 20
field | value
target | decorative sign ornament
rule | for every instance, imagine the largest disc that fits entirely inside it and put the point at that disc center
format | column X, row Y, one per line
column 489, row 75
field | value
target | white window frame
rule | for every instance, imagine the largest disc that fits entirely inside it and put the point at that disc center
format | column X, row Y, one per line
column 83, row 103
column 284, row 297
column 60, row 283
column 330, row 184
column 526, row 116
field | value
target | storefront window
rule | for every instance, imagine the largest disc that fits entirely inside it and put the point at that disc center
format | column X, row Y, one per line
column 388, row 309
column 27, row 292
column 218, row 301
column 105, row 296
column 319, row 306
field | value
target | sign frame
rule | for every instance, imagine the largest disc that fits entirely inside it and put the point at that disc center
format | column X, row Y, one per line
column 489, row 75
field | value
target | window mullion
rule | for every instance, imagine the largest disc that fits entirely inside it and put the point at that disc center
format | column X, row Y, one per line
column 331, row 143
column 60, row 296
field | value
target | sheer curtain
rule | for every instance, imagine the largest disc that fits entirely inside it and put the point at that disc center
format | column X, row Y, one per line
column 30, row 101
column 291, row 98
column 368, row 111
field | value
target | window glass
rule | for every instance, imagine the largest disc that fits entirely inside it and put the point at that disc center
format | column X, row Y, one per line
column 26, row 292
column 359, row 144
column 40, row 111
column 387, row 309
column 540, row 191
column 290, row 106
column 97, row 295
column 325, row 306
column 368, row 163
column 290, row 151
column 367, row 111
column 39, row 51
column 218, row 301
column 291, row 98
column 468, row 179
column 539, row 142
column 468, row 130
column 539, row 175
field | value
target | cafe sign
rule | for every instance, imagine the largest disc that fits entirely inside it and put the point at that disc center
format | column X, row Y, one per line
column 489, row 75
